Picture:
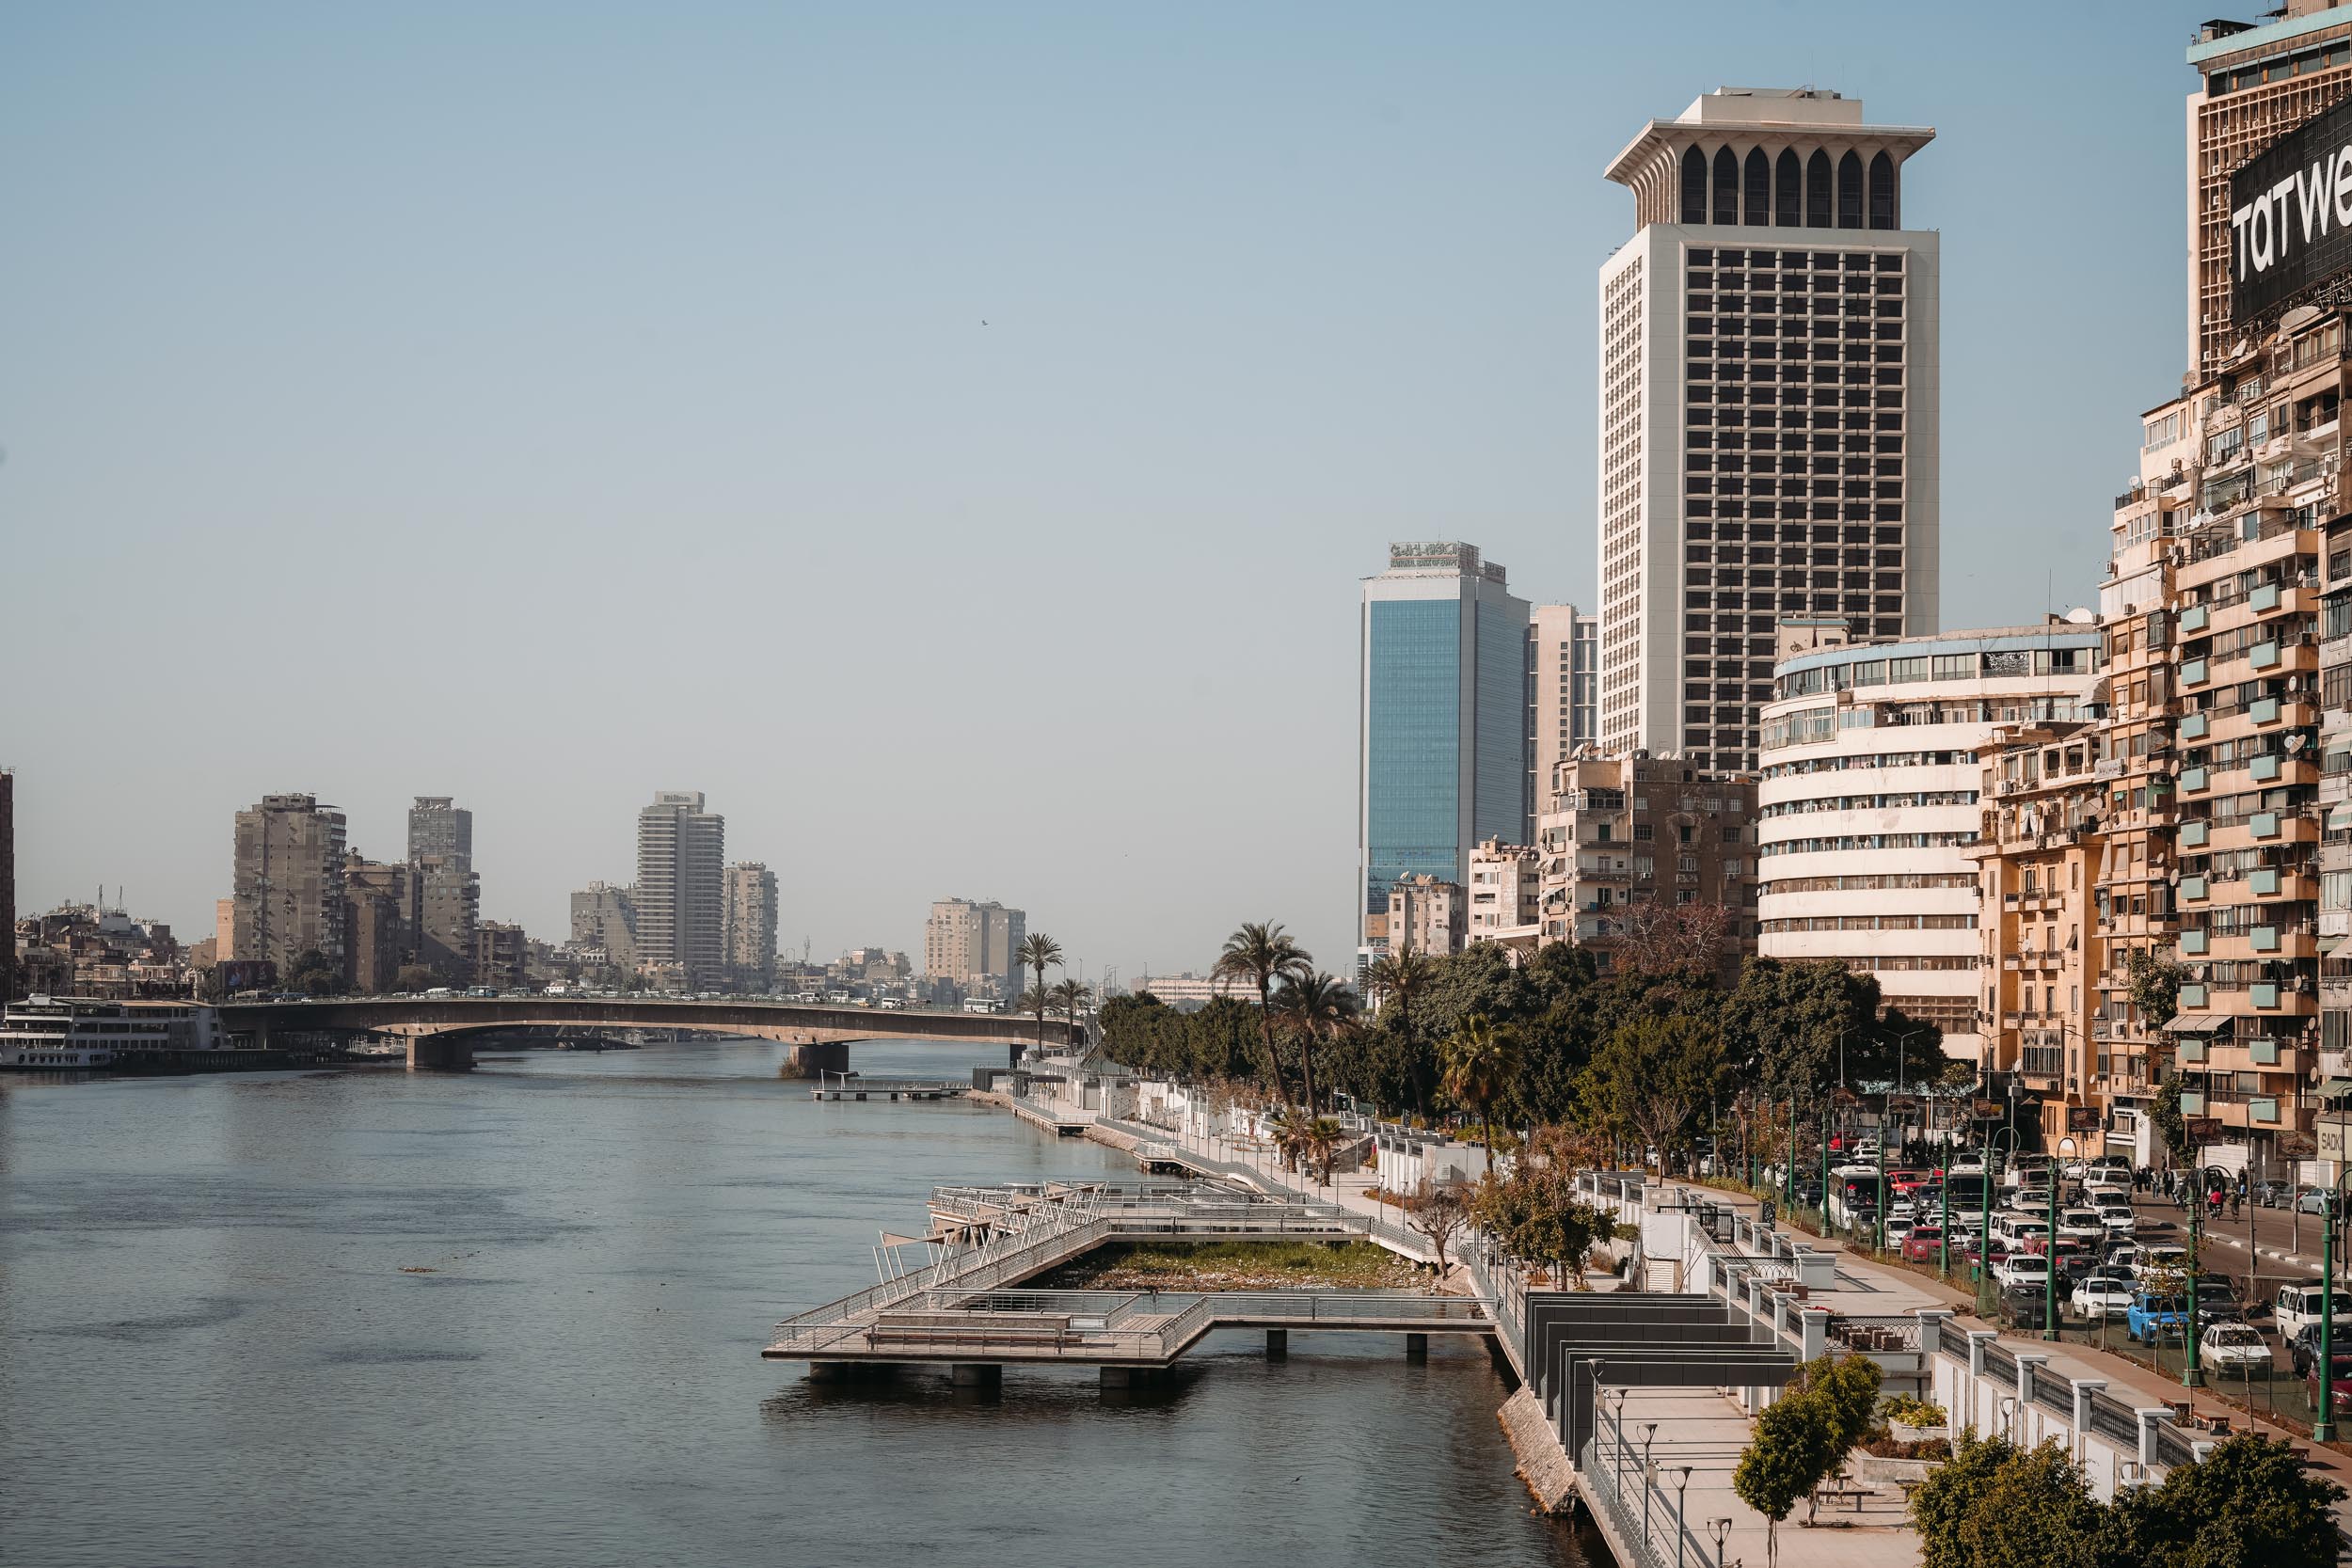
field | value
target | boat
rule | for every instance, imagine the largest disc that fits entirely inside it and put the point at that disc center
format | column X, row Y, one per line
column 67, row 1034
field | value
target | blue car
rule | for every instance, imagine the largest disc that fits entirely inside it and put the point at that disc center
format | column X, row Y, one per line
column 2153, row 1316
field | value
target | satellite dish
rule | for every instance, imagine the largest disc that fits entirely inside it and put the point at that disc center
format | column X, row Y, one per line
column 2299, row 317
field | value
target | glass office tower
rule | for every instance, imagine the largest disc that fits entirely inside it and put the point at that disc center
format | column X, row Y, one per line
column 1444, row 720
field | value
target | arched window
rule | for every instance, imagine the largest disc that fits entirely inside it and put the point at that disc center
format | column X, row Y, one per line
column 1788, row 190
column 1694, row 186
column 1849, row 192
column 1759, row 174
column 1726, row 186
column 1817, row 191
column 1881, row 192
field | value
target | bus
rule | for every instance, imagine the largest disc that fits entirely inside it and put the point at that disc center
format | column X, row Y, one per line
column 1967, row 1190
column 1856, row 1196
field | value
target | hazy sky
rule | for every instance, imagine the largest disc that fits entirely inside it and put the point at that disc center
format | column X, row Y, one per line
column 549, row 405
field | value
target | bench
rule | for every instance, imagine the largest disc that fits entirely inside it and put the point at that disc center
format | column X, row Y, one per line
column 1842, row 1489
column 972, row 1327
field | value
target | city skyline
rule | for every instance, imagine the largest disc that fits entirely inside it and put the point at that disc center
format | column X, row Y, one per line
column 1000, row 512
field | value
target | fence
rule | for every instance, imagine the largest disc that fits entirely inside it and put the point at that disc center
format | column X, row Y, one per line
column 1648, row 1525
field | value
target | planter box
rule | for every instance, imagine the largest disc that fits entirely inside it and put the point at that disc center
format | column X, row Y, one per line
column 1902, row 1433
column 1871, row 1467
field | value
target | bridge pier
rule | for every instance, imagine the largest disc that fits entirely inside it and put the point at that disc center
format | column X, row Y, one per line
column 440, row 1053
column 1277, row 1344
column 975, row 1374
column 1417, row 1347
column 816, row 1059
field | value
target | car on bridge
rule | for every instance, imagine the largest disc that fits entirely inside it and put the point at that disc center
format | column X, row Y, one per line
column 2103, row 1293
column 2233, row 1348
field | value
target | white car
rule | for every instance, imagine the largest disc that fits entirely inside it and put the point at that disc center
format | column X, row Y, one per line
column 2161, row 1257
column 2104, row 1294
column 2084, row 1225
column 2233, row 1348
column 2020, row 1269
column 2120, row 1219
column 1898, row 1227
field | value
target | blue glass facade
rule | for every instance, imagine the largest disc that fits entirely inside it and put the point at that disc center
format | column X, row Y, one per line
column 1412, row 741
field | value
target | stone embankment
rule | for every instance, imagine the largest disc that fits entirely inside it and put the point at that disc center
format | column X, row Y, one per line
column 1543, row 1464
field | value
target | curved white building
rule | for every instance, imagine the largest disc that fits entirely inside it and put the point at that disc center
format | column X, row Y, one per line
column 1867, row 801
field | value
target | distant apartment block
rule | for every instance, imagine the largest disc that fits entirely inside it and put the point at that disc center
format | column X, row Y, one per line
column 1505, row 895
column 975, row 946
column 438, row 827
column 604, row 919
column 448, row 908
column 1428, row 914
column 749, row 923
column 681, row 861
column 289, row 881
column 501, row 956
column 1563, row 691
column 381, row 907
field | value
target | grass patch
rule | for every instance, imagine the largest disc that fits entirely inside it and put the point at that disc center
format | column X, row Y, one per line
column 1235, row 1265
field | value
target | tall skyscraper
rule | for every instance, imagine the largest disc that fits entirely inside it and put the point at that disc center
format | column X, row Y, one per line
column 749, row 924
column 681, row 861
column 8, row 884
column 289, row 881
column 438, row 827
column 1444, row 716
column 2256, row 84
column 1768, row 410
column 1563, row 690
column 975, row 946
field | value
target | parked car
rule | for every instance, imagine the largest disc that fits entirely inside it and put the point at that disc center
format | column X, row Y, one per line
column 2152, row 1316
column 2122, row 1258
column 2161, row 1255
column 2296, row 1305
column 1897, row 1227
column 2084, row 1225
column 2022, row 1305
column 2119, row 1218
column 1924, row 1244
column 2311, row 1200
column 2272, row 1195
column 2303, row 1348
column 2218, row 1303
column 2103, row 1293
column 2022, row 1269
column 2233, row 1348
column 2341, row 1374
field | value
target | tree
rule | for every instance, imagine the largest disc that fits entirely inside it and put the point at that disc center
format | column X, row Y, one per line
column 2036, row 1511
column 313, row 975
column 415, row 977
column 1438, row 1212
column 1036, row 952
column 1072, row 997
column 1261, row 952
column 1786, row 1459
column 1319, row 1140
column 1315, row 1007
column 1480, row 1062
column 2156, row 985
column 1951, row 1492
column 1656, row 936
column 1399, row 979
column 1536, row 1217
column 1653, row 1076
column 2250, row 1504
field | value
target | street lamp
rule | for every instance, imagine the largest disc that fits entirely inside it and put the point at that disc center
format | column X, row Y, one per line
column 2191, row 1374
column 1722, row 1533
column 2324, row 1420
column 1649, row 1476
column 2049, row 1275
column 1682, row 1483
column 2000, row 1144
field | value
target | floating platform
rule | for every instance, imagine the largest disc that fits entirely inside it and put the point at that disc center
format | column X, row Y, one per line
column 889, row 1088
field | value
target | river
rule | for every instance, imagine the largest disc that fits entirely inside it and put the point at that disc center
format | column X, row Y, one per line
column 513, row 1317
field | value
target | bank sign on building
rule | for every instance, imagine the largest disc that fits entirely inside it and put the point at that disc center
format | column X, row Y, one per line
column 2291, row 216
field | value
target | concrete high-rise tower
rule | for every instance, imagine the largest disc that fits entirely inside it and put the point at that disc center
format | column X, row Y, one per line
column 8, row 884
column 289, row 881
column 1444, row 714
column 681, row 862
column 1562, row 683
column 1769, row 369
column 438, row 827
column 748, row 918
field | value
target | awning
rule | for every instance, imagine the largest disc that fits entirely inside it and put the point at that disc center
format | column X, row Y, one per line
column 2335, row 1088
column 2199, row 1023
column 2340, row 815
column 2328, row 944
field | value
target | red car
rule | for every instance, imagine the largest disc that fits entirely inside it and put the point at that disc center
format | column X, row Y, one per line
column 1924, row 1244
column 1906, row 1182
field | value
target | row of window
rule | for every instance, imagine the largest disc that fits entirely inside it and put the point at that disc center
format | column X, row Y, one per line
column 1870, row 759
column 1883, row 881
column 1834, row 843
column 1789, row 192
column 1871, row 802
column 1869, row 922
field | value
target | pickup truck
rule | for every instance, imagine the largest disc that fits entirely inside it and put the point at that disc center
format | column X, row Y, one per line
column 2152, row 1316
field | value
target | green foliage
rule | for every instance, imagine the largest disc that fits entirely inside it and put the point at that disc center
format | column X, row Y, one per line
column 1534, row 1215
column 2156, row 985
column 313, row 975
column 1847, row 1387
column 1481, row 1063
column 1654, row 1077
column 1219, row 1041
column 2249, row 1505
column 1789, row 1454
column 2172, row 1126
column 1783, row 1024
column 416, row 977
column 1913, row 1412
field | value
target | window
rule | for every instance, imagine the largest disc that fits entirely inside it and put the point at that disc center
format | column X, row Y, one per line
column 1899, row 670
column 1727, row 198
column 1759, row 188
column 1955, row 667
column 1881, row 192
column 1694, row 189
column 1788, row 190
column 1818, row 191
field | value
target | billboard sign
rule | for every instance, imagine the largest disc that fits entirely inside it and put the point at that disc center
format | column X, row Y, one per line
column 2082, row 1118
column 2291, row 214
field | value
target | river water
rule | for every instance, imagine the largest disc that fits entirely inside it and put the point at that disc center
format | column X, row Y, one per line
column 217, row 1347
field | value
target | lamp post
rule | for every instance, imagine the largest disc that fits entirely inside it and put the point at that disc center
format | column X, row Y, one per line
column 1722, row 1533
column 2191, row 1374
column 1682, row 1483
column 2049, row 1275
column 1825, row 1167
column 1944, row 1232
column 2003, row 1142
column 1880, row 1245
column 1649, row 1476
column 2324, row 1420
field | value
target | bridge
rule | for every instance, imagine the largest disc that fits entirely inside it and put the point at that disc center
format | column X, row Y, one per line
column 441, row 1031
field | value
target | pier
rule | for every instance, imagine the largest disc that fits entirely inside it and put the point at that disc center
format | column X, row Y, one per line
column 833, row 1087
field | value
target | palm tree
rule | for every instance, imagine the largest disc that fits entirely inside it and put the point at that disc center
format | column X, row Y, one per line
column 1399, row 977
column 1072, row 997
column 1316, row 1007
column 1261, row 952
column 1320, row 1140
column 1036, row 951
column 1480, row 1063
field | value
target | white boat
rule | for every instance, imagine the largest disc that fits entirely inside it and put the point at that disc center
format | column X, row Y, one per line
column 44, row 1034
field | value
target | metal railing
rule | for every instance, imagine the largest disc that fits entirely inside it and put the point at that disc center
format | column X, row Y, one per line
column 1646, row 1522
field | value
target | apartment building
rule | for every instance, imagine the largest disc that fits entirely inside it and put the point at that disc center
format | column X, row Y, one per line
column 1625, row 839
column 748, row 924
column 288, row 897
column 1867, row 801
column 976, row 946
column 1506, row 894
column 604, row 919
column 501, row 956
column 1563, row 691
column 381, row 907
column 681, row 857
column 1427, row 913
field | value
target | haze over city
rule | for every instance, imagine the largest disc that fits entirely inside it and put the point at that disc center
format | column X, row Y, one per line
column 949, row 438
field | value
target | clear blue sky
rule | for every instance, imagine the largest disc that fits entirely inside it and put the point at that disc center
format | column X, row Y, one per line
column 548, row 404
